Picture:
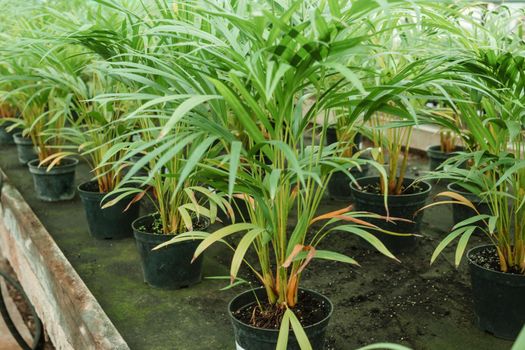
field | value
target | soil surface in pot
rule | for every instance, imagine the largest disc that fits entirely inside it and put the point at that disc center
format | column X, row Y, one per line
column 91, row 186
column 411, row 303
column 405, row 190
column 488, row 258
column 308, row 310
column 156, row 227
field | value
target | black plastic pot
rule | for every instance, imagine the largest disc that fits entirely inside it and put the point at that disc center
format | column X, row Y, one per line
column 248, row 337
column 339, row 187
column 462, row 212
column 6, row 137
column 57, row 184
column 109, row 223
column 437, row 157
column 400, row 206
column 239, row 210
column 331, row 138
column 169, row 267
column 25, row 148
column 134, row 159
column 499, row 300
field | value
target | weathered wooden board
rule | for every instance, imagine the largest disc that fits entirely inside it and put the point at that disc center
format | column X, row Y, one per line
column 72, row 316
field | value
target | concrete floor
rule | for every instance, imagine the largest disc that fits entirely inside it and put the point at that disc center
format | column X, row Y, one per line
column 410, row 303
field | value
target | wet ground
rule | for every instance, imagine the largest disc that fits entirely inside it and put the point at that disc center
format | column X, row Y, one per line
column 412, row 303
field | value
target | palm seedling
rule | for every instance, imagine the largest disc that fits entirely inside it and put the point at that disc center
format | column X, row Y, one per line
column 263, row 78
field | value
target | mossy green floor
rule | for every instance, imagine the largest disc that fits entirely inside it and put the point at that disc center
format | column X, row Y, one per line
column 410, row 303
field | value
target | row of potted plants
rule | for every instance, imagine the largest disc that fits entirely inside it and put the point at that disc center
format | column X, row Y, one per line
column 203, row 108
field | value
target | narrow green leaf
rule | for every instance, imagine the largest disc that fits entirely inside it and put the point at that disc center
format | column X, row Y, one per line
column 284, row 332
column 182, row 110
column 235, row 155
column 241, row 250
column 370, row 238
column 462, row 244
column 299, row 332
column 446, row 241
column 384, row 346
column 221, row 233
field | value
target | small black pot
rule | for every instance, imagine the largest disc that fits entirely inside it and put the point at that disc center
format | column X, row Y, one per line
column 169, row 267
column 400, row 206
column 25, row 148
column 109, row 223
column 437, row 157
column 331, row 138
column 57, row 184
column 6, row 137
column 240, row 210
column 248, row 337
column 339, row 187
column 462, row 212
column 498, row 297
column 141, row 172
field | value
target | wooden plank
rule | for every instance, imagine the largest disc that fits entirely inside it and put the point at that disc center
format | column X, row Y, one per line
column 72, row 316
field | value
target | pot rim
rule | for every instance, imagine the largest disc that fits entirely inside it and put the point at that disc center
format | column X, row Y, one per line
column 424, row 192
column 236, row 320
column 499, row 273
column 452, row 187
column 84, row 191
column 437, row 149
column 61, row 166
column 22, row 140
column 136, row 230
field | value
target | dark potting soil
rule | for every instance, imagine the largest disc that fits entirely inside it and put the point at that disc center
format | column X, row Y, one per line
column 157, row 228
column 489, row 259
column 308, row 310
column 405, row 190
column 91, row 187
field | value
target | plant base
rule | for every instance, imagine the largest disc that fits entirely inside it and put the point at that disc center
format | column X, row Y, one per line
column 248, row 337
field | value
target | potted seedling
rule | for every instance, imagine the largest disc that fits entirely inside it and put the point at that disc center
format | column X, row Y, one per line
column 154, row 142
column 404, row 195
column 497, row 269
column 25, row 148
column 97, row 132
column 497, row 177
column 53, row 176
column 394, row 104
column 44, row 106
column 348, row 139
column 260, row 117
column 181, row 206
column 7, row 127
column 447, row 148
